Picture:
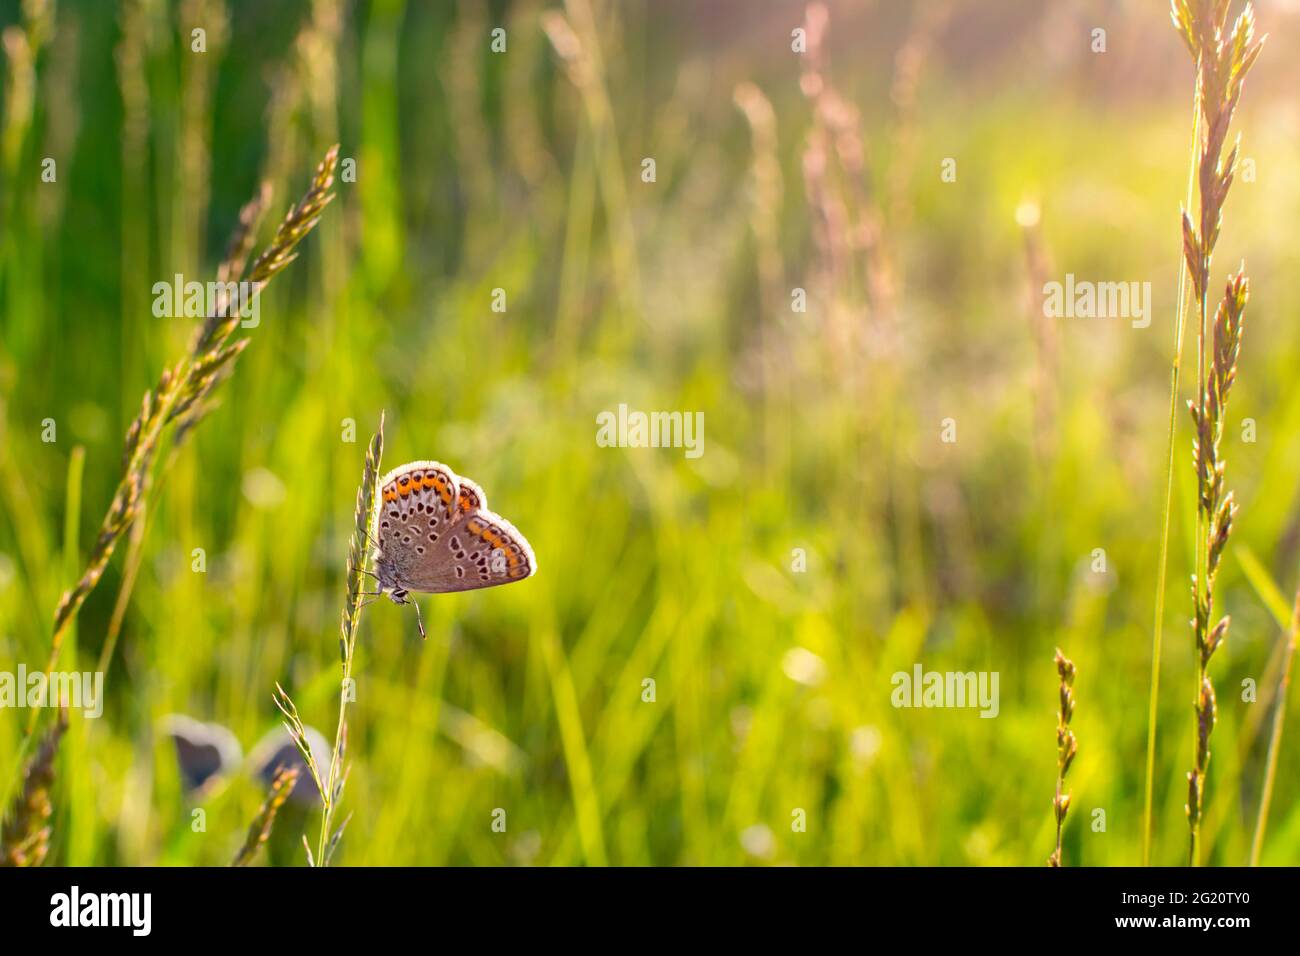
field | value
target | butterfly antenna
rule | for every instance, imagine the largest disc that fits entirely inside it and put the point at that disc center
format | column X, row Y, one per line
column 419, row 620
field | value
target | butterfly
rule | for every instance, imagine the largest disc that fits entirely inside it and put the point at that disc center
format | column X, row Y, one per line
column 435, row 534
column 204, row 752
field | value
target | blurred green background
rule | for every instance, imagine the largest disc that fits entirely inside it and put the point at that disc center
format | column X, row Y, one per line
column 523, row 171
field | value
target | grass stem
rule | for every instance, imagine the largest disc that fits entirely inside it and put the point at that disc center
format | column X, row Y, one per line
column 358, row 556
column 1275, row 736
column 1157, row 631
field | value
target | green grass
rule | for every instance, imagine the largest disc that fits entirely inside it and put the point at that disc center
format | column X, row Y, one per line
column 476, row 172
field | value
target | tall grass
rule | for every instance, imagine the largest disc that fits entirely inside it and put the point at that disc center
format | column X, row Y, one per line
column 1275, row 734
column 358, row 557
column 25, row 835
column 259, row 831
column 1066, row 749
column 330, row 781
column 478, row 170
column 184, row 392
column 1223, row 60
column 1171, row 444
column 183, row 395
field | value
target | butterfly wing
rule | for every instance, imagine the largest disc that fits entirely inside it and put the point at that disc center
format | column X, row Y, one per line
column 436, row 553
column 471, row 496
column 480, row 550
column 417, row 504
column 427, row 483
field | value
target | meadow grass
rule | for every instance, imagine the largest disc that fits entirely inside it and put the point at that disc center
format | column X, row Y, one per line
column 1162, row 565
column 1066, row 749
column 259, row 831
column 520, row 171
column 1223, row 60
column 25, row 835
column 330, row 781
column 181, row 399
column 1288, row 647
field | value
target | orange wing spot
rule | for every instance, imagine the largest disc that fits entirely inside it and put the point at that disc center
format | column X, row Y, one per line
column 498, row 542
column 390, row 495
column 404, row 486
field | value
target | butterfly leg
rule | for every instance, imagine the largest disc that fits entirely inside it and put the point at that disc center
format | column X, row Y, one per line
column 372, row 541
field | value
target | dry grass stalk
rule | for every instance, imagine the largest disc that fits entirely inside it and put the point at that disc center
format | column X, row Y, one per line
column 25, row 837
column 575, row 37
column 768, row 186
column 298, row 734
column 331, row 783
column 765, row 221
column 259, row 831
column 181, row 398
column 848, row 228
column 1223, row 59
column 1066, row 748
column 928, row 20
column 1047, row 348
